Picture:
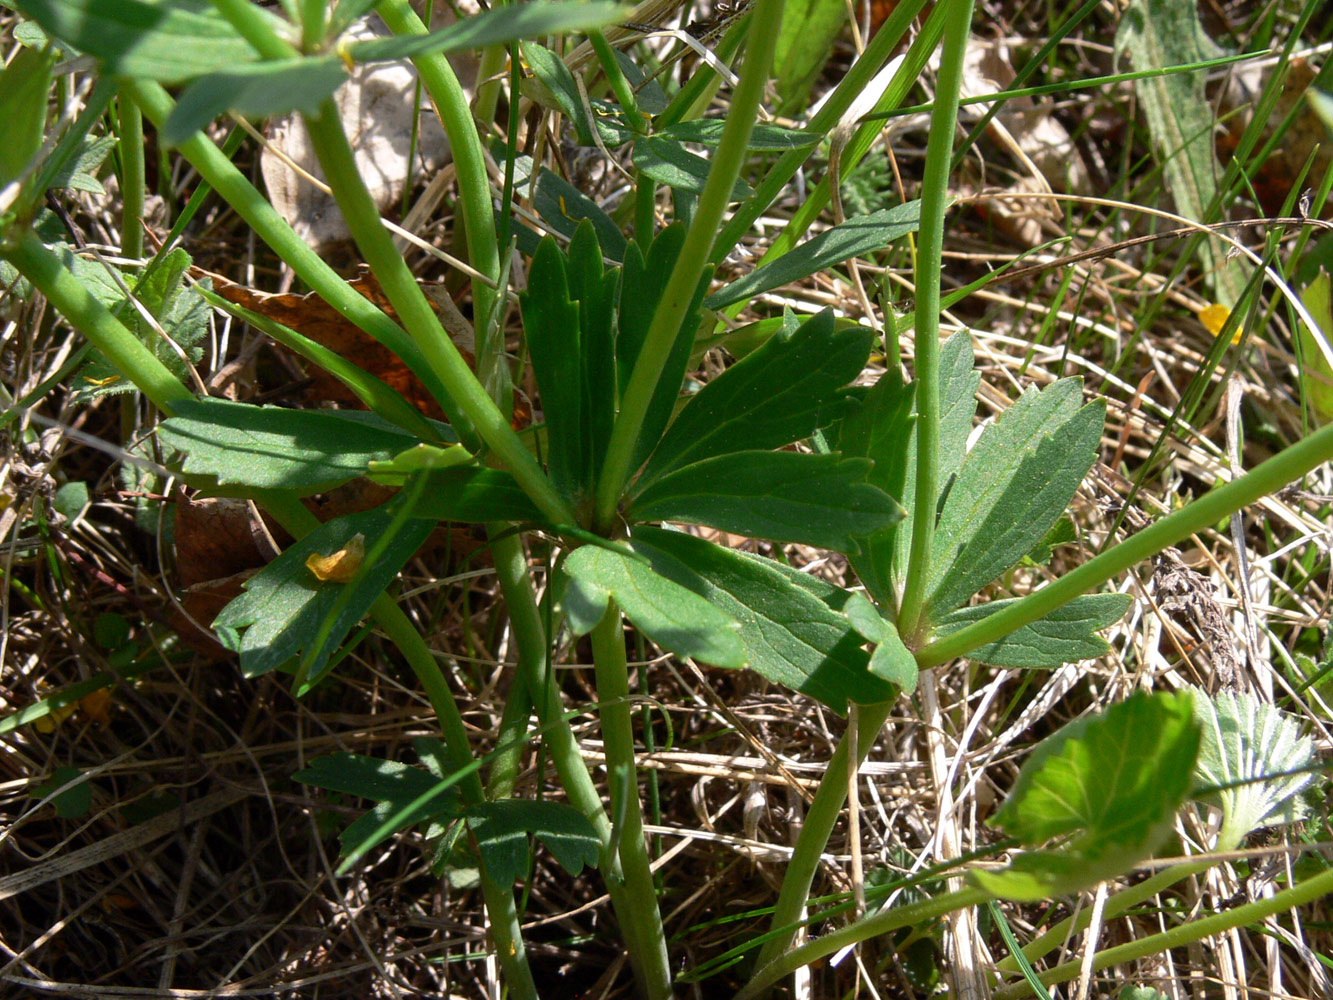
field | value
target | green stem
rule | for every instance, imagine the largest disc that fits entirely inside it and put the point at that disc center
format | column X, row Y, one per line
column 474, row 191
column 929, row 265
column 131, row 178
column 1214, row 506
column 231, row 185
column 510, row 951
column 619, row 85
column 1196, row 930
column 690, row 266
column 608, row 651
column 400, row 285
column 511, row 569
column 820, row 818
column 876, row 53
column 881, row 923
column 87, row 315
column 1115, row 905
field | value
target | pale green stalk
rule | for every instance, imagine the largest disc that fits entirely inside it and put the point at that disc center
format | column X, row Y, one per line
column 1196, row 930
column 1214, row 506
column 608, row 653
column 131, row 178
column 417, row 315
column 87, row 315
column 511, row 570
column 690, row 266
column 929, row 268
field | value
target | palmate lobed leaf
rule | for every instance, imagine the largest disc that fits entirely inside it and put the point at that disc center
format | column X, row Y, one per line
column 820, row 500
column 1111, row 782
column 502, row 829
column 778, row 394
column 672, row 616
column 792, row 626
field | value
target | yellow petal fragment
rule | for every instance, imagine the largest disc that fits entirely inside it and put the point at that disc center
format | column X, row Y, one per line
column 342, row 565
column 1214, row 317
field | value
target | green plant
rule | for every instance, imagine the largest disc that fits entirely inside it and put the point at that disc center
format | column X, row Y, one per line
column 885, row 476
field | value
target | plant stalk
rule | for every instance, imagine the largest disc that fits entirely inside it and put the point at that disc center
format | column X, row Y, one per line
column 692, row 263
column 929, row 265
column 400, row 285
column 131, row 178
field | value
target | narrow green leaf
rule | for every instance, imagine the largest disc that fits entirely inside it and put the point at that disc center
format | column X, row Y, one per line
column 820, row 500
column 809, row 29
column 594, row 289
column 284, row 606
column 778, row 394
column 497, row 26
column 551, row 325
column 1316, row 375
column 763, row 138
column 892, row 660
column 502, row 830
column 23, row 97
column 1160, row 33
column 1112, row 783
column 164, row 40
column 393, row 787
column 551, row 71
column 669, row 163
column 1012, row 488
column 1249, row 752
column 851, row 239
column 77, row 173
column 672, row 616
column 267, row 447
column 792, row 627
column 256, row 90
column 642, row 283
column 1066, row 635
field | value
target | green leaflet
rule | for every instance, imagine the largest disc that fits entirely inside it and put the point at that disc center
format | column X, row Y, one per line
column 476, row 495
column 402, row 795
column 763, row 138
column 268, row 447
column 1012, row 488
column 850, row 239
column 669, row 163
column 256, row 90
column 792, row 627
column 1316, row 375
column 809, row 28
column 778, row 394
column 502, row 830
column 163, row 40
column 285, row 609
column 1066, row 635
column 892, row 660
column 672, row 616
column 23, row 87
column 1111, row 783
column 820, row 500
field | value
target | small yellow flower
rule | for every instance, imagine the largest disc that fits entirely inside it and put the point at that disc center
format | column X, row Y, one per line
column 1214, row 317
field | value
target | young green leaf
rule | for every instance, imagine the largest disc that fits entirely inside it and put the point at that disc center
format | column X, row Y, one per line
column 594, row 289
column 1111, row 783
column 150, row 39
column 820, row 500
column 1012, row 488
column 502, row 830
column 23, row 97
column 393, row 787
column 285, row 609
column 69, row 799
column 475, row 495
column 670, row 163
column 256, row 90
column 562, row 207
column 778, row 394
column 763, row 138
column 1249, row 752
column 809, row 28
column 551, row 325
column 551, row 71
column 268, row 447
column 642, row 283
column 892, row 660
column 1316, row 375
column 672, row 616
column 850, row 239
column 1067, row 635
column 78, row 173
column 792, row 626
